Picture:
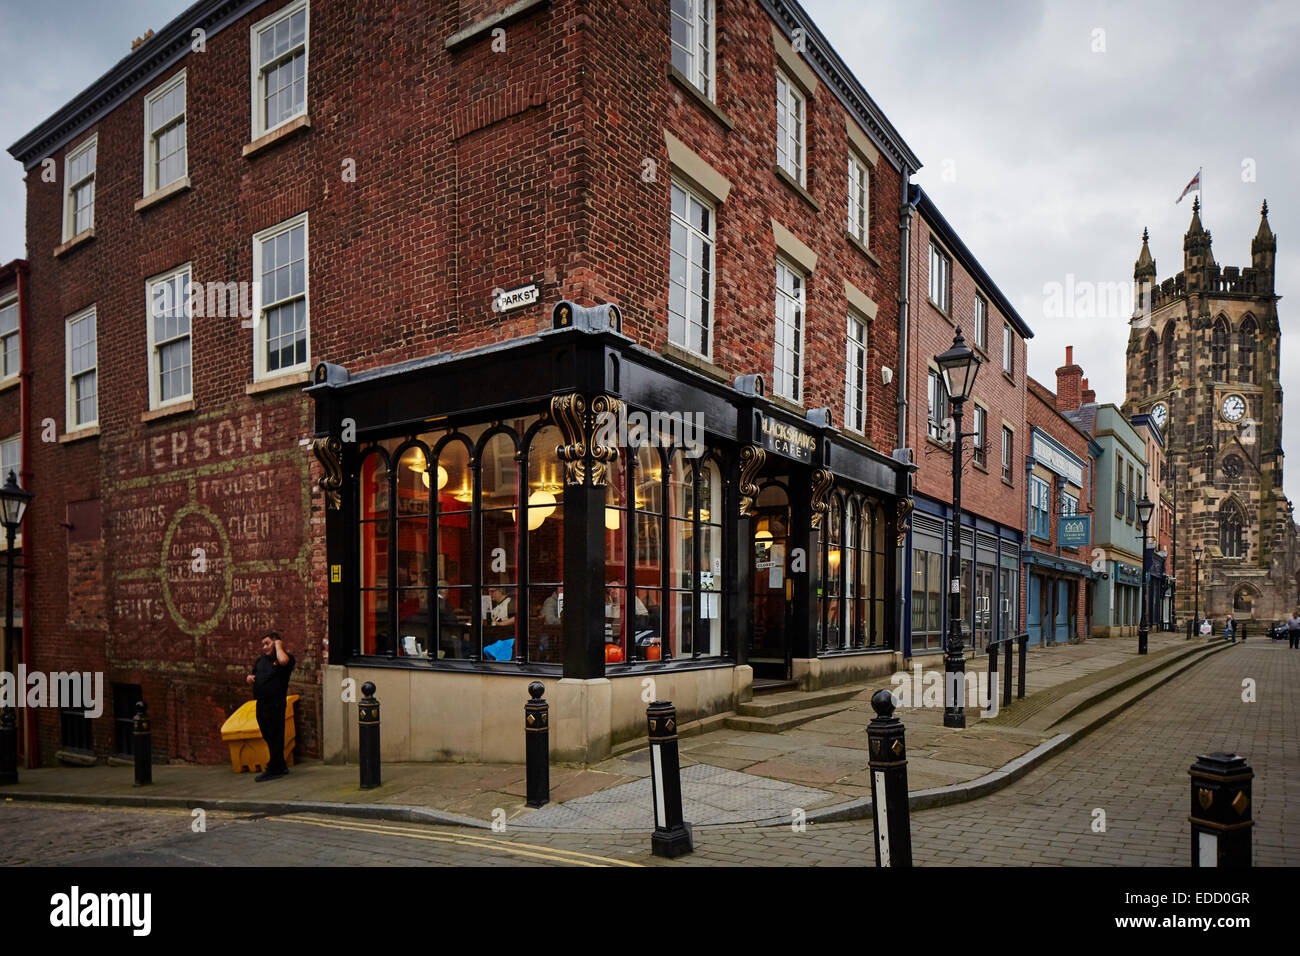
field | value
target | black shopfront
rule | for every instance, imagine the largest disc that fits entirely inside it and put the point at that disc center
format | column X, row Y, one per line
column 573, row 504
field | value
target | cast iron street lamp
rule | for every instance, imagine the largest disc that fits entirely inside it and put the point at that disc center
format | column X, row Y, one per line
column 1144, row 628
column 958, row 366
column 13, row 502
column 1196, row 554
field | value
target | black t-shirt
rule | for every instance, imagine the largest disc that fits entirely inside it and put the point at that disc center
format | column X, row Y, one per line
column 271, row 679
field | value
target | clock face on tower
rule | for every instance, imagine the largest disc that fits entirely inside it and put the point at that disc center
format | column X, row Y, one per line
column 1160, row 413
column 1233, row 408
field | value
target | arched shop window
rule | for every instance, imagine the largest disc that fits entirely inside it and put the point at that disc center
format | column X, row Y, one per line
column 545, row 547
column 620, row 613
column 853, row 568
column 852, row 564
column 647, row 479
column 498, row 479
column 374, row 496
column 455, row 564
column 832, row 576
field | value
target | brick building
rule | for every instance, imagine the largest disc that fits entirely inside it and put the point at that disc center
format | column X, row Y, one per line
column 1058, row 508
column 689, row 216
column 949, row 289
column 14, row 287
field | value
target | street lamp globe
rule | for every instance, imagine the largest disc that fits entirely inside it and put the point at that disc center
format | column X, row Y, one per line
column 13, row 502
column 958, row 366
column 1197, row 552
column 1145, row 507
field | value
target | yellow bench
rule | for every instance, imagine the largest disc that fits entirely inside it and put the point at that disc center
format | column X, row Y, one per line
column 248, row 751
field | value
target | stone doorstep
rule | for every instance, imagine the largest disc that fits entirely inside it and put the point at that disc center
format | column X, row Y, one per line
column 779, row 723
column 783, row 703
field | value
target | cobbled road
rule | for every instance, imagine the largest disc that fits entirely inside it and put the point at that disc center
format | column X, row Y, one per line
column 1131, row 775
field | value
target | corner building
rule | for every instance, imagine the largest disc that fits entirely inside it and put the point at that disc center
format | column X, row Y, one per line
column 574, row 364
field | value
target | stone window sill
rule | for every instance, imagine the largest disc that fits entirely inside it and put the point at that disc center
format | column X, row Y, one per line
column 162, row 195
column 1009, row 377
column 1009, row 484
column 167, row 411
column 277, row 135
column 81, row 433
column 10, row 382
column 678, row 77
column 780, row 401
column 793, row 183
column 278, row 382
column 517, row 9
column 693, row 360
column 858, row 244
column 942, row 446
column 79, row 239
column 935, row 305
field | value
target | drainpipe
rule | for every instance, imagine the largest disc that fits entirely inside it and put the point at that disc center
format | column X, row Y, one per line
column 24, row 403
column 904, row 267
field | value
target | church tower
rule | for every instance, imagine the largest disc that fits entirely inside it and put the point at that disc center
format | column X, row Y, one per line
column 1203, row 360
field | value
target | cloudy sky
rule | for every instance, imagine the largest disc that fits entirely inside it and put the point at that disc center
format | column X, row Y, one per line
column 1051, row 133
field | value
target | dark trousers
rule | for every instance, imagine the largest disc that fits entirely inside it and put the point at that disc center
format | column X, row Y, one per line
column 1295, row 637
column 270, row 721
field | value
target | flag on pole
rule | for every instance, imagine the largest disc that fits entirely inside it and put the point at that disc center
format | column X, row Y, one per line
column 1195, row 184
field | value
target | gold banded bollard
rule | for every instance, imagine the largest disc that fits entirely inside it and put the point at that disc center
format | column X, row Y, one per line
column 142, row 745
column 537, row 745
column 1221, row 814
column 368, row 736
column 887, row 760
column 672, row 836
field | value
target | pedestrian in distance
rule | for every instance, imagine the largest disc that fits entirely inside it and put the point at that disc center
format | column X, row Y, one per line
column 1230, row 629
column 1293, row 631
column 270, row 680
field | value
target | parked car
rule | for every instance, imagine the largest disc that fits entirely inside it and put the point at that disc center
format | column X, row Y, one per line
column 1277, row 630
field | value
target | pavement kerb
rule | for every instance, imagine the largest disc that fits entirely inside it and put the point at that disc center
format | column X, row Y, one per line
column 1010, row 772
column 852, row 810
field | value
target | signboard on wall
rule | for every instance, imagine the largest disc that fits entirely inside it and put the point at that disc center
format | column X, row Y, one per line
column 1074, row 531
column 1057, row 458
column 785, row 439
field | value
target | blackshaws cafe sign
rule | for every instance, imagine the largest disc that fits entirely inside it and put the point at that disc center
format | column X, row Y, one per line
column 785, row 439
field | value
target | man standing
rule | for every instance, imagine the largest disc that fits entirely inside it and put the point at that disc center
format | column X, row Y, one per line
column 270, row 680
column 1230, row 629
column 1293, row 631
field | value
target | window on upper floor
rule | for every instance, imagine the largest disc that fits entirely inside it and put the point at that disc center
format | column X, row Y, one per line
column 1008, row 446
column 1219, row 349
column 1008, row 350
column 10, row 352
column 855, row 375
column 281, row 330
column 1232, row 531
column 690, row 272
column 1040, row 497
column 936, row 406
column 1167, row 348
column 790, row 129
column 1246, row 350
column 859, row 199
column 693, row 42
column 940, row 277
column 1069, row 504
column 279, row 60
column 164, row 135
column 1132, row 496
column 11, row 458
column 1151, row 362
column 79, row 189
column 981, row 322
column 82, row 371
column 787, row 365
column 169, row 338
column 1119, row 485
column 979, row 439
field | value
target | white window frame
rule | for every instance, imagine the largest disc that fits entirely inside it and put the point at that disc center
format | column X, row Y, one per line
column 980, row 435
column 155, row 367
column 937, row 407
column 70, row 187
column 704, row 22
column 793, row 368
column 940, row 278
column 257, row 78
column 981, row 322
column 693, row 235
column 70, row 414
column 151, row 183
column 1008, row 438
column 1008, row 349
column 859, row 222
column 14, row 439
column 855, row 361
column 789, row 100
column 6, row 302
column 259, row 315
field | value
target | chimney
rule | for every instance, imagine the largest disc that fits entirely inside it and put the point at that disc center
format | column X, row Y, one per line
column 1089, row 396
column 1068, row 378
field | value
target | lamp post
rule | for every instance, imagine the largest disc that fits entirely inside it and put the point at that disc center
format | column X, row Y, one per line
column 1196, row 555
column 958, row 366
column 1145, row 508
column 13, row 503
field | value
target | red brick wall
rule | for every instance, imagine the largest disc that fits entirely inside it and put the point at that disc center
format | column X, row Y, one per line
column 983, row 491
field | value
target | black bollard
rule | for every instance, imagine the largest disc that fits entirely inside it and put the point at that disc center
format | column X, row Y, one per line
column 1006, row 678
column 888, row 762
column 142, row 744
column 368, row 736
column 537, row 745
column 672, row 836
column 992, row 680
column 8, row 746
column 1221, row 811
column 1020, row 678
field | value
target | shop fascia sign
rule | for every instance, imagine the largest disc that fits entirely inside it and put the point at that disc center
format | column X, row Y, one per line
column 785, row 439
column 1056, row 458
column 507, row 300
column 1074, row 531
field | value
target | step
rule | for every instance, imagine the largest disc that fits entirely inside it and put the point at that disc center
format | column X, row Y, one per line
column 770, row 705
column 781, row 722
column 774, row 686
